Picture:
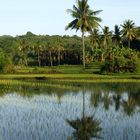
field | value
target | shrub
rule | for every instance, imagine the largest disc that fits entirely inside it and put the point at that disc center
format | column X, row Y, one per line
column 2, row 61
column 123, row 60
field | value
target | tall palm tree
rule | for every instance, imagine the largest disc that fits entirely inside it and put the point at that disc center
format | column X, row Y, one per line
column 23, row 49
column 94, row 38
column 106, row 36
column 50, row 49
column 128, row 31
column 106, row 40
column 38, row 48
column 84, row 19
column 59, row 48
column 117, row 35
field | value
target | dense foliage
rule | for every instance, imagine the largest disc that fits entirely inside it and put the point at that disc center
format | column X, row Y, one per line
column 121, row 60
column 110, row 47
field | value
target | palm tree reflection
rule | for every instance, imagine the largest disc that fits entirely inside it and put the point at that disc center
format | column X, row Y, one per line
column 107, row 101
column 86, row 127
column 117, row 100
column 129, row 105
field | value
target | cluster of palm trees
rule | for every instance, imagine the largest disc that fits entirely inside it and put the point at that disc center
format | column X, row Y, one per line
column 87, row 20
column 107, row 37
column 40, row 50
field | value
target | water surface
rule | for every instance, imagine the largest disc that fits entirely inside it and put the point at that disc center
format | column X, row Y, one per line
column 69, row 112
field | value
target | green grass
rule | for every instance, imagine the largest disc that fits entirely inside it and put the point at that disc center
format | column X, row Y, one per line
column 63, row 69
column 70, row 73
column 87, row 78
column 35, row 84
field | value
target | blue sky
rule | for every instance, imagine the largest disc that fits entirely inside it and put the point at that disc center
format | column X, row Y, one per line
column 50, row 16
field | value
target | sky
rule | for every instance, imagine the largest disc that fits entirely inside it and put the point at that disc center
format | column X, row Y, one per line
column 50, row 16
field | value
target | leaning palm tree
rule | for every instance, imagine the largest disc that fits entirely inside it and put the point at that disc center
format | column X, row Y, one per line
column 117, row 36
column 84, row 19
column 128, row 31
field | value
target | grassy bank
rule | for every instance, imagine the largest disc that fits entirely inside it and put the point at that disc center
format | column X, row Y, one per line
column 87, row 78
column 71, row 74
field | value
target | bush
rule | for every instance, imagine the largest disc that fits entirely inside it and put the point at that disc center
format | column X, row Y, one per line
column 2, row 60
column 8, row 66
column 123, row 60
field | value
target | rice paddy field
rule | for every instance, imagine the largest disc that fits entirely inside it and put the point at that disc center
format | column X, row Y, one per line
column 53, row 110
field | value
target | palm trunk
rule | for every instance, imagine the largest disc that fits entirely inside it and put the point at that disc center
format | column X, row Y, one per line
column 58, row 56
column 25, row 61
column 50, row 57
column 102, row 57
column 129, row 43
column 83, row 50
column 38, row 58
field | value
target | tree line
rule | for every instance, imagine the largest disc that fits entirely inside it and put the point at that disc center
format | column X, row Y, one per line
column 118, row 49
column 45, row 50
column 86, row 20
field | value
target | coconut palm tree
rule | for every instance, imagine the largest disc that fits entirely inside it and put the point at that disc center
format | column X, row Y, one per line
column 117, row 35
column 84, row 19
column 38, row 48
column 50, row 49
column 128, row 31
column 23, row 49
column 59, row 48
column 106, row 36
column 106, row 40
column 94, row 38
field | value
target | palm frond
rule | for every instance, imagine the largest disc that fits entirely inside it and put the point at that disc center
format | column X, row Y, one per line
column 72, row 24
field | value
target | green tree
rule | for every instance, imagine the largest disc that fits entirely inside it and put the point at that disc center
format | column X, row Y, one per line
column 128, row 31
column 23, row 50
column 38, row 48
column 95, row 38
column 117, row 36
column 59, row 48
column 2, row 60
column 50, row 49
column 84, row 19
column 106, row 36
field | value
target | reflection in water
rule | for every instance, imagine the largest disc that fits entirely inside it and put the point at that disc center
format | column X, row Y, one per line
column 129, row 105
column 128, row 101
column 116, row 99
column 86, row 127
column 30, row 113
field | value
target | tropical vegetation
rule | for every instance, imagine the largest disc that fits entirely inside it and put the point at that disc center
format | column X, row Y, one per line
column 115, row 51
